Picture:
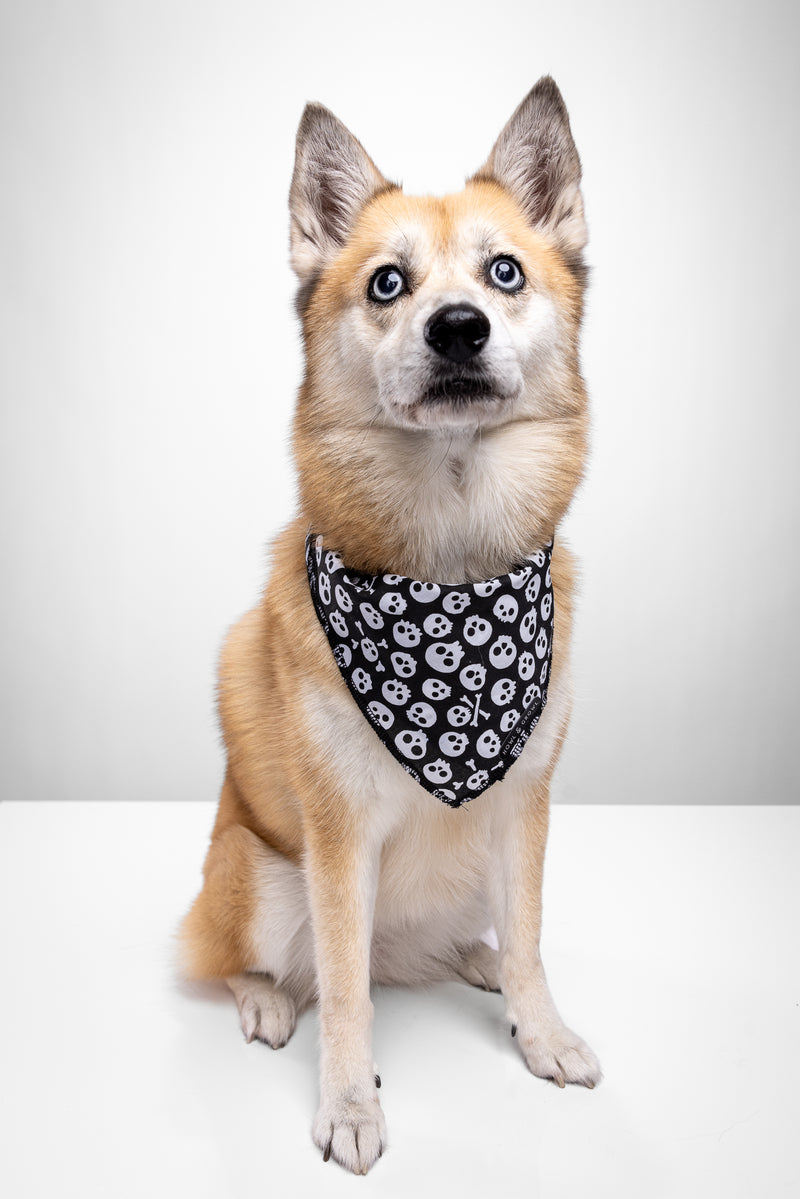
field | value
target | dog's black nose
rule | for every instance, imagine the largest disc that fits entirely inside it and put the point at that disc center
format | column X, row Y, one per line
column 457, row 332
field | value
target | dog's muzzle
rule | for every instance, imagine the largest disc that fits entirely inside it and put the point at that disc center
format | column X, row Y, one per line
column 457, row 332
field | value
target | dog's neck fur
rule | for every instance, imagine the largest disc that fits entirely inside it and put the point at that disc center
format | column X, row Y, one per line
column 447, row 506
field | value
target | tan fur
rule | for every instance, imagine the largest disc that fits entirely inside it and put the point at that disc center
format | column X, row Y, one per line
column 328, row 865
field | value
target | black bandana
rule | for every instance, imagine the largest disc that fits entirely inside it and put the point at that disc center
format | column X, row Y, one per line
column 452, row 677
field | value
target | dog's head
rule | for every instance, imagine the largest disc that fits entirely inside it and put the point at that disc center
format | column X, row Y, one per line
column 442, row 313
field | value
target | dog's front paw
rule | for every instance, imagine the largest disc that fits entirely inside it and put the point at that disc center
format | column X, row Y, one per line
column 559, row 1054
column 352, row 1133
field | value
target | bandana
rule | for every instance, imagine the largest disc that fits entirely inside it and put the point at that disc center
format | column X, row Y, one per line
column 452, row 677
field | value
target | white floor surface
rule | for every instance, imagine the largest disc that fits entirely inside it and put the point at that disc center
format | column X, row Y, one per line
column 671, row 944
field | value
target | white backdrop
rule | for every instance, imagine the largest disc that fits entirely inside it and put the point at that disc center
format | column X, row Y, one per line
column 149, row 357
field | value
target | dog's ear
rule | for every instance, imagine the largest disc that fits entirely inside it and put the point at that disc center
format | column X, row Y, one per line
column 333, row 179
column 535, row 159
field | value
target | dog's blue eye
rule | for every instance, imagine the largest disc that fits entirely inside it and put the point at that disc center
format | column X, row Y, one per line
column 505, row 273
column 386, row 284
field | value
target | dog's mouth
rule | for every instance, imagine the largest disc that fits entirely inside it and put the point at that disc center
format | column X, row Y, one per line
column 459, row 390
column 457, row 398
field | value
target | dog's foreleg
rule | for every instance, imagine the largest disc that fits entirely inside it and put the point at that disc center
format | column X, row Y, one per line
column 551, row 1050
column 342, row 865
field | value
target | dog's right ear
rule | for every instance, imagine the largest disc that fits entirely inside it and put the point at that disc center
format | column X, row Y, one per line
column 333, row 179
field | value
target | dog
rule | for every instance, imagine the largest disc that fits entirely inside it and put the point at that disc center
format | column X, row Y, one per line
column 394, row 708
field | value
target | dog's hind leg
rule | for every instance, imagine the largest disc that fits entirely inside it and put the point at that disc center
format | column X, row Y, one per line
column 267, row 1012
column 403, row 961
column 478, row 965
column 250, row 926
column 270, row 1002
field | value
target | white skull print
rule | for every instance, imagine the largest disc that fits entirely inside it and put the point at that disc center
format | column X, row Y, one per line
column 532, row 590
column 518, row 578
column 342, row 656
column 438, row 771
column 445, row 656
column 509, row 720
column 407, row 634
column 404, row 665
column 437, row 625
column 324, row 588
column 343, row 599
column 372, row 616
column 396, row 692
column 422, row 714
column 478, row 780
column 473, row 677
column 436, row 689
column 339, row 624
column 380, row 714
column 506, row 608
column 393, row 603
column 456, row 602
column 362, row 680
column 453, row 744
column 412, row 743
column 459, row 715
column 487, row 588
column 503, row 692
column 477, row 630
column 488, row 744
column 369, row 649
column 526, row 665
column 527, row 628
column 425, row 593
column 502, row 652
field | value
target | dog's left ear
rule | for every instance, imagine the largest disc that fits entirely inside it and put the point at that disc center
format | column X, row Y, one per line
column 535, row 159
column 333, row 179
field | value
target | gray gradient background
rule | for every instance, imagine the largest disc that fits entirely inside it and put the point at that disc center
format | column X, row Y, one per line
column 149, row 357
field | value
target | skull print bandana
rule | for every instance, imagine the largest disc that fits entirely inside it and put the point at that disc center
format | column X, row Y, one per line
column 452, row 677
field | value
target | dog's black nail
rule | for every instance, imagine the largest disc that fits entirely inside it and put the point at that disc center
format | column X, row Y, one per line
column 513, row 1030
column 326, row 1155
column 377, row 1080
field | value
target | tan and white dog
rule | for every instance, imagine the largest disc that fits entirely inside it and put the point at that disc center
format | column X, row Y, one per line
column 440, row 434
